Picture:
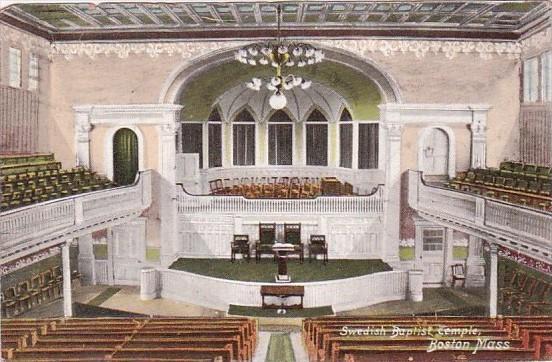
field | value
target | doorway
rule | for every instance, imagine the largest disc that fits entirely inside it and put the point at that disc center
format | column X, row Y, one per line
column 435, row 153
column 125, row 156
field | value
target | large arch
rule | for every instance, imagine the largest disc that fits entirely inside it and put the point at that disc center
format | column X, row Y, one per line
column 182, row 76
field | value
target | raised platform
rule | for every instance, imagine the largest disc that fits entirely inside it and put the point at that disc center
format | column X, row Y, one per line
column 265, row 270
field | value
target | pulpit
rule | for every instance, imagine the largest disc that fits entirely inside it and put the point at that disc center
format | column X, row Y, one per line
column 281, row 251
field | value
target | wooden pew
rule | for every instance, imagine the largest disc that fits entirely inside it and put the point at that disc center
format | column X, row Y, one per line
column 175, row 353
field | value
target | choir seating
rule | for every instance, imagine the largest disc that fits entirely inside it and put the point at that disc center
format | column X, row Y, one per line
column 281, row 187
column 525, row 294
column 182, row 339
column 514, row 182
column 318, row 246
column 240, row 245
column 529, row 338
column 267, row 238
column 30, row 179
column 292, row 235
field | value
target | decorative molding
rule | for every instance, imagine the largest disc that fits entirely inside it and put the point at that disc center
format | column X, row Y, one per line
column 185, row 50
column 525, row 260
column 362, row 47
column 31, row 259
column 538, row 40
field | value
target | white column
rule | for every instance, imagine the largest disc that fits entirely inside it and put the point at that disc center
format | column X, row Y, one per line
column 447, row 262
column 493, row 281
column 82, row 135
column 393, row 128
column 167, row 187
column 149, row 283
column 479, row 139
column 475, row 264
column 67, row 293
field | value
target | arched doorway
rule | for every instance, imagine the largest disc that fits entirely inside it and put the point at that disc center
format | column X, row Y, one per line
column 125, row 156
column 435, row 153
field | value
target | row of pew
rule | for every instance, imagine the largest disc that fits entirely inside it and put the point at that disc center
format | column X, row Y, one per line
column 124, row 339
column 525, row 294
column 514, row 182
column 355, row 339
column 40, row 178
column 281, row 187
column 41, row 288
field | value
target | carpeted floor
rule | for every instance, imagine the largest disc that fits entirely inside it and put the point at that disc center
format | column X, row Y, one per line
column 280, row 348
column 267, row 268
column 272, row 313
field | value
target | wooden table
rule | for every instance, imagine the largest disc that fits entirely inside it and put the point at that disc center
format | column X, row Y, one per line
column 283, row 291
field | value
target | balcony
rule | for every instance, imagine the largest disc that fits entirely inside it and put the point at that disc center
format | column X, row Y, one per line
column 516, row 227
column 34, row 227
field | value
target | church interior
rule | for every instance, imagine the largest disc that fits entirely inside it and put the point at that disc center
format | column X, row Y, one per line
column 280, row 181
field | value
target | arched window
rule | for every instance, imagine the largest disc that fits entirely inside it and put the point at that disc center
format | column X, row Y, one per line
column 368, row 145
column 192, row 139
column 243, row 134
column 317, row 139
column 346, row 139
column 280, row 139
column 215, row 139
column 125, row 156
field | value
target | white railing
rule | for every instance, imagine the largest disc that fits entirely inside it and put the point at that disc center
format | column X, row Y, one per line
column 64, row 216
column 499, row 218
column 191, row 204
column 343, row 294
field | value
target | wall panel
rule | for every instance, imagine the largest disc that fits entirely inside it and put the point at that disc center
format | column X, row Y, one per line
column 18, row 120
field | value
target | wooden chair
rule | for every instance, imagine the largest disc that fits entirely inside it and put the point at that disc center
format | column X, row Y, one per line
column 318, row 246
column 267, row 237
column 458, row 274
column 240, row 245
column 292, row 235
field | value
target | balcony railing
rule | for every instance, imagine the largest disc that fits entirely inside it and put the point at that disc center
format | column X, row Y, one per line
column 528, row 226
column 190, row 204
column 62, row 217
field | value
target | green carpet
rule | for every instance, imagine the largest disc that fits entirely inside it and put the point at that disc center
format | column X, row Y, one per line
column 103, row 296
column 271, row 313
column 267, row 268
column 279, row 348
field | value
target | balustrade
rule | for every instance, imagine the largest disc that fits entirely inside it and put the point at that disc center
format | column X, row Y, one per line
column 65, row 215
column 190, row 204
column 498, row 217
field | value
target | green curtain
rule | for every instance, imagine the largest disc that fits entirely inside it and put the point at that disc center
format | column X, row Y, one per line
column 125, row 156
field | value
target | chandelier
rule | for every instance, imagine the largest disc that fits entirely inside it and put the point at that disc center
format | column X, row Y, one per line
column 279, row 55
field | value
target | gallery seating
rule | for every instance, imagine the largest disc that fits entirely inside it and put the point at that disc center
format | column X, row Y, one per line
column 281, row 187
column 525, row 294
column 31, row 179
column 328, row 338
column 240, row 245
column 183, row 339
column 514, row 182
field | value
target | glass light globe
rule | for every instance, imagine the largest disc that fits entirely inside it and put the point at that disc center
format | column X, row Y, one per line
column 306, row 84
column 266, row 50
column 243, row 52
column 309, row 52
column 263, row 61
column 253, row 51
column 275, row 81
column 297, row 81
column 297, row 51
column 277, row 100
column 282, row 49
column 290, row 63
column 301, row 63
column 252, row 62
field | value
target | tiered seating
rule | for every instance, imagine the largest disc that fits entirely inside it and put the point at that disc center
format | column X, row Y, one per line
column 39, row 288
column 356, row 339
column 523, row 184
column 526, row 294
column 182, row 339
column 280, row 187
column 26, row 180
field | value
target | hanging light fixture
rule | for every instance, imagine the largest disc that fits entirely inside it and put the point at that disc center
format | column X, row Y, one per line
column 279, row 55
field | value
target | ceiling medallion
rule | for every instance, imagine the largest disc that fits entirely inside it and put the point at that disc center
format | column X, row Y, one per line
column 279, row 54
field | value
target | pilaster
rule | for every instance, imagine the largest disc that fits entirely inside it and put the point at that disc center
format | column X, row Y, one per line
column 83, row 127
column 478, row 129
column 475, row 264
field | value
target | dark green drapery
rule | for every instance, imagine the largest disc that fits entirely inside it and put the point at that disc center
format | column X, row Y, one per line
column 125, row 156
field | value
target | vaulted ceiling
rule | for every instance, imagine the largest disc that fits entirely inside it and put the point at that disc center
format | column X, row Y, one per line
column 225, row 19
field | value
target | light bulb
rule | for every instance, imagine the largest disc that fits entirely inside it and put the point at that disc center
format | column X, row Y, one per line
column 288, row 85
column 252, row 62
column 301, row 63
column 263, row 61
column 310, row 61
column 243, row 52
column 256, row 81
column 266, row 50
column 290, row 63
column 297, row 51
column 275, row 81
column 282, row 49
column 309, row 52
column 297, row 81
column 253, row 51
column 306, row 84
column 270, row 87
column 277, row 100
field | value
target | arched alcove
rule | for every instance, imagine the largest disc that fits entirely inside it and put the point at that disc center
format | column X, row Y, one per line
column 125, row 156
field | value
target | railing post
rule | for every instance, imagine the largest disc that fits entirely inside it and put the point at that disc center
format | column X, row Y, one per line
column 79, row 211
column 480, row 204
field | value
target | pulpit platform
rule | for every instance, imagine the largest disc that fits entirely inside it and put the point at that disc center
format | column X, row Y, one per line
column 340, row 284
